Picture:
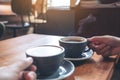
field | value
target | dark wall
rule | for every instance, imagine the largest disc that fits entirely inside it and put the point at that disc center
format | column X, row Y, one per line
column 107, row 21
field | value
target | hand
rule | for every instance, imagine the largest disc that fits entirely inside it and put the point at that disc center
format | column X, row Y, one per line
column 16, row 71
column 105, row 45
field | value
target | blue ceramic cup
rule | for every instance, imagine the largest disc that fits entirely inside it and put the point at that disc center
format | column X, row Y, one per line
column 47, row 58
column 74, row 46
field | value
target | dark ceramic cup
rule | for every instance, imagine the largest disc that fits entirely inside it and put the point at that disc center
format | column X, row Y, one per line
column 47, row 58
column 74, row 46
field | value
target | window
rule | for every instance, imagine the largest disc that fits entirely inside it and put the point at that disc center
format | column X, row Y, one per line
column 62, row 3
column 58, row 3
column 5, row 0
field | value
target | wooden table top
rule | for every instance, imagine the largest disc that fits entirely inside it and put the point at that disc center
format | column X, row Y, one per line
column 96, row 68
column 5, row 9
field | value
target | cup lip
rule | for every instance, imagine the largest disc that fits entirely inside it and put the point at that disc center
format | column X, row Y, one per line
column 72, row 37
column 62, row 50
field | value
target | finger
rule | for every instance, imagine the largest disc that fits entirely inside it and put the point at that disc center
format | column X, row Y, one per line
column 29, row 75
column 105, row 50
column 98, row 52
column 100, row 46
column 33, row 68
column 21, row 76
column 23, row 64
column 95, row 38
column 115, row 51
column 106, row 54
column 97, row 47
column 92, row 46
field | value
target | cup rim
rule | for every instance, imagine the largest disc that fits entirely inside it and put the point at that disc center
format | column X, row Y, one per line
column 62, row 51
column 73, row 38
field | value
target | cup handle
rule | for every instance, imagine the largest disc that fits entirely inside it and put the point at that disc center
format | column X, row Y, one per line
column 87, row 48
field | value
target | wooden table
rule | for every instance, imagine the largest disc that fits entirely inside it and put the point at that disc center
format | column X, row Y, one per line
column 5, row 9
column 12, row 50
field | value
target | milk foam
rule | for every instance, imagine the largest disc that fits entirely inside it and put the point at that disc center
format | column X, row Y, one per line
column 44, row 51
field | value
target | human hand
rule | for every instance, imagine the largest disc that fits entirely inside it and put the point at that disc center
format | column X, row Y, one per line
column 105, row 45
column 16, row 71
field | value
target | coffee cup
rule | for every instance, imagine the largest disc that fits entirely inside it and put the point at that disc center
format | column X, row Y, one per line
column 47, row 58
column 74, row 46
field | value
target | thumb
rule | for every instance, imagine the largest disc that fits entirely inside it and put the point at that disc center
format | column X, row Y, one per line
column 23, row 64
column 95, row 38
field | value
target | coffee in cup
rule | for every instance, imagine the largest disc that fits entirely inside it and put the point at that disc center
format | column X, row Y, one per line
column 74, row 46
column 47, row 58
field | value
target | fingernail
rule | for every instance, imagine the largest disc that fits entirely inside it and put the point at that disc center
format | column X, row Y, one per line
column 30, row 59
column 32, row 75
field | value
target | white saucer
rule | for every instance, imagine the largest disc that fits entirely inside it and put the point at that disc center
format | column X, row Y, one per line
column 86, row 56
column 65, row 70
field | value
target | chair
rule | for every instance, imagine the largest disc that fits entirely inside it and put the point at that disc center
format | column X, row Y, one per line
column 40, row 13
column 41, row 8
column 22, row 8
column 2, row 29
